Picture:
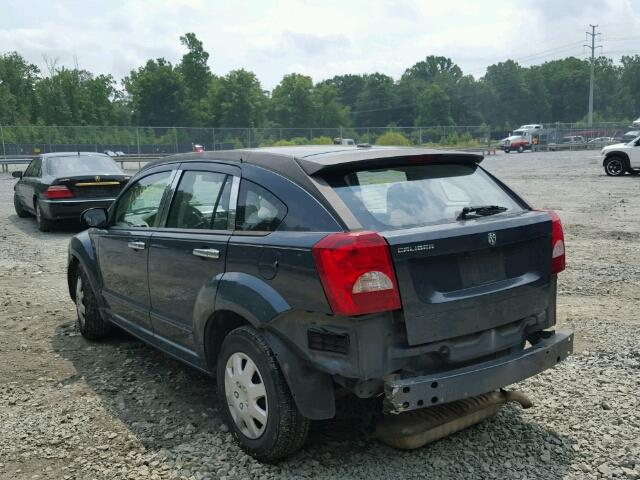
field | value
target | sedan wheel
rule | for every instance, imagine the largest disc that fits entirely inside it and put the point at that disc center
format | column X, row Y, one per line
column 44, row 224
column 614, row 167
column 246, row 395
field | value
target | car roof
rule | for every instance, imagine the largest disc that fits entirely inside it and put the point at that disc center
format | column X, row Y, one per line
column 315, row 159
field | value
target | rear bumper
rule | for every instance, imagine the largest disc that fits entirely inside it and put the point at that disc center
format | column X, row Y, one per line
column 67, row 209
column 433, row 389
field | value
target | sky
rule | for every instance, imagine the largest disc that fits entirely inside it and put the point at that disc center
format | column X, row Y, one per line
column 317, row 38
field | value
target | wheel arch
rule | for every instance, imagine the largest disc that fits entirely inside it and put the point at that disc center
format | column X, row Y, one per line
column 311, row 389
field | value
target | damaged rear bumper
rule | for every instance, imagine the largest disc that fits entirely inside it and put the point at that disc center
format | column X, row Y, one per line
column 403, row 394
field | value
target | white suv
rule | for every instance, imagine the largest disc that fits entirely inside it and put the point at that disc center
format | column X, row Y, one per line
column 622, row 158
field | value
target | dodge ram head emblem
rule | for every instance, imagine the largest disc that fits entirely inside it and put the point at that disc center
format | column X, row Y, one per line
column 492, row 238
column 97, row 179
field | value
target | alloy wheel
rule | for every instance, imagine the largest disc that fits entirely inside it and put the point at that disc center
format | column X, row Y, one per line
column 246, row 395
column 614, row 167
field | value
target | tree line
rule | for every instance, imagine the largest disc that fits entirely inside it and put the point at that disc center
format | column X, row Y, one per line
column 434, row 91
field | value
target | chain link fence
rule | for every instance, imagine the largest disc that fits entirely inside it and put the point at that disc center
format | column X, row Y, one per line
column 144, row 141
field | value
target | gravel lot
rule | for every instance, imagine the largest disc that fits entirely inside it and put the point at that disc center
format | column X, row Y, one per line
column 71, row 409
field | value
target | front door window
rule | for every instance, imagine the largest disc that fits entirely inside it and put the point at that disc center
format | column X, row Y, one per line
column 140, row 204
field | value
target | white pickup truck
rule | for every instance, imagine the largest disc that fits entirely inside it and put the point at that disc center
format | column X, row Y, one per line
column 621, row 158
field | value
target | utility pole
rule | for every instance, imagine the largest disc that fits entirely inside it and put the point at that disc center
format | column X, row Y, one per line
column 593, row 47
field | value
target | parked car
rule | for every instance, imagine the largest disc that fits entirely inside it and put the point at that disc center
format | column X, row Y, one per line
column 298, row 274
column 59, row 186
column 630, row 136
column 621, row 158
column 573, row 139
column 603, row 140
column 515, row 142
column 110, row 153
column 197, row 148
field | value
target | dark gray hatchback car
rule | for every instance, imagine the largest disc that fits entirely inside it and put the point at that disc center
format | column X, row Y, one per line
column 296, row 275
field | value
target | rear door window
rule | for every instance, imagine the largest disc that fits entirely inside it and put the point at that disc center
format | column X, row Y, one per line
column 258, row 209
column 417, row 195
column 201, row 201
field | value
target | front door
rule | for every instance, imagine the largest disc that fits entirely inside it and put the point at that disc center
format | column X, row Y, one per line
column 187, row 256
column 123, row 251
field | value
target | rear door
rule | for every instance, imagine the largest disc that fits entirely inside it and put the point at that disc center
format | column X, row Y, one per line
column 187, row 256
column 457, row 274
column 123, row 249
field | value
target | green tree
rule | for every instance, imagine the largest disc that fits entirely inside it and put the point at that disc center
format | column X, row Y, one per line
column 376, row 106
column 195, row 72
column 236, row 100
column 329, row 112
column 18, row 78
column 292, row 102
column 158, row 95
column 434, row 107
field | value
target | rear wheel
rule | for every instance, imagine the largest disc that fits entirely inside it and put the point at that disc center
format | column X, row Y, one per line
column 20, row 211
column 91, row 324
column 44, row 224
column 615, row 166
column 255, row 397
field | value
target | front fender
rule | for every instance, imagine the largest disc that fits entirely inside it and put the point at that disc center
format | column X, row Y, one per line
column 250, row 297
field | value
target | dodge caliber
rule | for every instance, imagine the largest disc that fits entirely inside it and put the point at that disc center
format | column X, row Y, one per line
column 298, row 275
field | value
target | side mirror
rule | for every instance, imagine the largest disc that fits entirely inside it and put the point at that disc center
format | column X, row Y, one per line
column 94, row 217
column 16, row 174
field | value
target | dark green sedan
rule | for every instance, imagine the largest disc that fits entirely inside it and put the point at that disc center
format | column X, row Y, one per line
column 60, row 186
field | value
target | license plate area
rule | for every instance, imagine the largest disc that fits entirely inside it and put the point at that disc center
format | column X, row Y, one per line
column 479, row 268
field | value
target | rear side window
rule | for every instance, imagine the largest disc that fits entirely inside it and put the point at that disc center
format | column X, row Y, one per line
column 417, row 195
column 258, row 209
column 201, row 201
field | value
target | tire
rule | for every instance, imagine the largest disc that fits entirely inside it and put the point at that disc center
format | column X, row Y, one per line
column 90, row 323
column 283, row 429
column 520, row 149
column 20, row 211
column 615, row 166
column 44, row 224
column 507, row 150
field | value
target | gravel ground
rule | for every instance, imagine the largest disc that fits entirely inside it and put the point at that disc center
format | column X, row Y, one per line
column 70, row 409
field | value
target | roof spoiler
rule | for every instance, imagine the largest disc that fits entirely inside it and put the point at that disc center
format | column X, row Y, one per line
column 330, row 163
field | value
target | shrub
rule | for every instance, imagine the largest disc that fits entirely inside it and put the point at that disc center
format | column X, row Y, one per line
column 393, row 138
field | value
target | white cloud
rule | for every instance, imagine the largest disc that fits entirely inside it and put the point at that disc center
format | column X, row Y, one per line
column 320, row 39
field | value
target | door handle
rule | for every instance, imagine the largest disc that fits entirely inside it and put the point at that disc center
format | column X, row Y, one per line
column 136, row 245
column 207, row 252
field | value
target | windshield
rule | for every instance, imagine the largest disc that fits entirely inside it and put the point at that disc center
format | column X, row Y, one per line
column 81, row 165
column 417, row 195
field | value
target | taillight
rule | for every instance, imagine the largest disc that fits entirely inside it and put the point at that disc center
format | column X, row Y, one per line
column 57, row 191
column 357, row 273
column 558, row 260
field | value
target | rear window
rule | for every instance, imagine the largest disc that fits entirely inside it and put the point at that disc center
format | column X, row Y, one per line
column 417, row 195
column 81, row 165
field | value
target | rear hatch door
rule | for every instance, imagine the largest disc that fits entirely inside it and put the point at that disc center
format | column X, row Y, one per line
column 459, row 279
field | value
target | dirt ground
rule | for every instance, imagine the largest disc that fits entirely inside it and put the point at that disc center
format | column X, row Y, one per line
column 119, row 409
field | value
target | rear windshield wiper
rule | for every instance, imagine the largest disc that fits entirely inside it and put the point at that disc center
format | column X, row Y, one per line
column 481, row 211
